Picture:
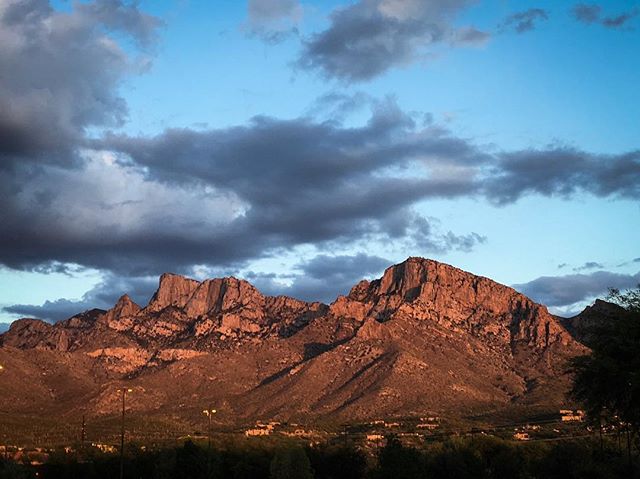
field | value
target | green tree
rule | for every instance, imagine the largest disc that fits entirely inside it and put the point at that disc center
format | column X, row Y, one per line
column 291, row 463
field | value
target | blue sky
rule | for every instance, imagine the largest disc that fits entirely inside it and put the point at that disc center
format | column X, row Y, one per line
column 219, row 138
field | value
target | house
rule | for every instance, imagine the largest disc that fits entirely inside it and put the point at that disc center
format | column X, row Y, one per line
column 257, row 432
column 568, row 415
column 521, row 436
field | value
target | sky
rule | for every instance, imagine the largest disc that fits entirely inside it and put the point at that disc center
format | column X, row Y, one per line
column 305, row 145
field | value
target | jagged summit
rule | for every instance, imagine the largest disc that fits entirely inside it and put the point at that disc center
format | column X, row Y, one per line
column 425, row 336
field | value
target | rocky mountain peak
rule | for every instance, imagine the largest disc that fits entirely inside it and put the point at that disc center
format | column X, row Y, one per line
column 125, row 306
column 222, row 294
column 173, row 290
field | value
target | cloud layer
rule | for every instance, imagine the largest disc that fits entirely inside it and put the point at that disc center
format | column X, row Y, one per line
column 144, row 205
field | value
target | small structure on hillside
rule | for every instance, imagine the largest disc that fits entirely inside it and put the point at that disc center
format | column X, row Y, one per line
column 429, row 423
column 262, row 429
column 521, row 436
column 568, row 415
column 257, row 432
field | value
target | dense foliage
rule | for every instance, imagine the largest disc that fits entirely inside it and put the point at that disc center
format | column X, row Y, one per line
column 482, row 457
column 607, row 381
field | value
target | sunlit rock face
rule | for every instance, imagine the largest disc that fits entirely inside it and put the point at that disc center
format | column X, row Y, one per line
column 424, row 337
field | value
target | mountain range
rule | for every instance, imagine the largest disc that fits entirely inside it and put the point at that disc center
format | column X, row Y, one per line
column 425, row 338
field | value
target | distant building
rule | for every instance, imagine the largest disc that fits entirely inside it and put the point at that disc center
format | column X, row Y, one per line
column 257, row 432
column 106, row 448
column 428, row 425
column 521, row 436
column 568, row 415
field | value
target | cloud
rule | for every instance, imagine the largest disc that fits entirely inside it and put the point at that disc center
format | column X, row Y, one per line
column 524, row 21
column 273, row 20
column 103, row 296
column 323, row 277
column 570, row 289
column 559, row 171
column 336, row 105
column 224, row 197
column 592, row 14
column 4, row 327
column 370, row 37
column 61, row 73
column 107, row 215
column 588, row 265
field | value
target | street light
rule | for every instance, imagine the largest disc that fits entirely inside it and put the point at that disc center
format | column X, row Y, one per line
column 209, row 413
column 124, row 392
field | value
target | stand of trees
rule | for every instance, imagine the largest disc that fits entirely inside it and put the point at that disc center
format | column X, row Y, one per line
column 607, row 381
column 482, row 457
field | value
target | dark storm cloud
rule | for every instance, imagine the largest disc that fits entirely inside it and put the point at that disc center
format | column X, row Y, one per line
column 368, row 38
column 273, row 20
column 323, row 277
column 103, row 296
column 592, row 13
column 524, row 21
column 573, row 288
column 60, row 73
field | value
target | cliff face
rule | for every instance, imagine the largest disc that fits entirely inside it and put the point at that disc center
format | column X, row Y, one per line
column 425, row 336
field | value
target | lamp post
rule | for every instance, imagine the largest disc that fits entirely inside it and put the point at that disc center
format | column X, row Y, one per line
column 124, row 392
column 209, row 413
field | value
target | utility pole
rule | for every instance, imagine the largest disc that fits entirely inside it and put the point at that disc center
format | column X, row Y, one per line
column 83, row 432
column 124, row 394
column 209, row 413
